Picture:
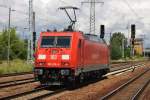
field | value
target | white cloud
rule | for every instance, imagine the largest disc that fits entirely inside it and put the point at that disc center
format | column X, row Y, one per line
column 115, row 14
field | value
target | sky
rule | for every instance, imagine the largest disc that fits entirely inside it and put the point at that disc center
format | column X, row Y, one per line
column 116, row 15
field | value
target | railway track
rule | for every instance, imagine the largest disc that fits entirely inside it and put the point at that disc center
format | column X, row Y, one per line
column 21, row 94
column 121, row 70
column 38, row 93
column 25, row 73
column 117, row 64
column 16, row 82
column 15, row 74
column 130, row 89
column 50, row 93
column 9, row 80
column 30, row 80
column 139, row 92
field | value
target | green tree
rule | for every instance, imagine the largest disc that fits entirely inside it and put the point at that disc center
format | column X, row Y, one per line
column 116, row 45
column 127, row 51
column 18, row 47
column 3, row 45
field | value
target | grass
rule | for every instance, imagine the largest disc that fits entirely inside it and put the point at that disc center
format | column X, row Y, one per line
column 135, row 58
column 16, row 66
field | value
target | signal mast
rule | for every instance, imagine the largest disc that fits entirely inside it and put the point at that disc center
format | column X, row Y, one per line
column 92, row 14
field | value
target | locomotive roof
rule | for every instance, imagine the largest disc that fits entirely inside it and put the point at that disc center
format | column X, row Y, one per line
column 94, row 37
column 60, row 32
column 91, row 37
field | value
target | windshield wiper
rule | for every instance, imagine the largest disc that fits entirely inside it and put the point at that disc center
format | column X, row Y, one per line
column 47, row 46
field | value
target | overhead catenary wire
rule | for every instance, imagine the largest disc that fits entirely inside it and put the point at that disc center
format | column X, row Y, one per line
column 132, row 9
column 63, row 2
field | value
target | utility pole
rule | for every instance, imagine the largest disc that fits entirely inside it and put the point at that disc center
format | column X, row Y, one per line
column 8, row 52
column 123, row 41
column 92, row 14
column 128, row 31
column 33, row 22
column 110, row 46
column 8, row 49
column 9, row 21
column 144, row 44
column 30, row 42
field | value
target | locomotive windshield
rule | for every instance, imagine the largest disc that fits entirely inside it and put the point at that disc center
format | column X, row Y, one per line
column 55, row 41
column 47, row 41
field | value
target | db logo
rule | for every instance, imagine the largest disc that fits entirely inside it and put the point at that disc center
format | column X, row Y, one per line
column 53, row 57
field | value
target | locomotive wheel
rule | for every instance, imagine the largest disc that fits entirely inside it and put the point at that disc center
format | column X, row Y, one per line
column 81, row 78
column 99, row 74
column 71, row 84
column 42, row 83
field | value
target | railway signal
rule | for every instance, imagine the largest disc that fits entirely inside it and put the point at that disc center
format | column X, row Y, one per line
column 133, row 31
column 34, row 40
column 102, row 31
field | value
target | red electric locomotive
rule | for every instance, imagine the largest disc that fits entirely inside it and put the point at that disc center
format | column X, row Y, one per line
column 70, row 56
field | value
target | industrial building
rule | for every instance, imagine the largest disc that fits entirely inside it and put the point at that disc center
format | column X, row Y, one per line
column 138, row 46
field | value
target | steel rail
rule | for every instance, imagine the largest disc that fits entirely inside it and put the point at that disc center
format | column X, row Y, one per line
column 138, row 93
column 58, row 91
column 23, row 73
column 39, row 89
column 125, row 66
column 15, row 74
column 122, row 86
column 22, row 94
column 48, row 94
column 121, row 70
column 17, row 83
column 61, row 90
column 14, row 81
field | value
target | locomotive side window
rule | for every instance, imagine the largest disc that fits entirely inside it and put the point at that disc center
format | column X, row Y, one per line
column 47, row 41
column 63, row 41
column 79, row 45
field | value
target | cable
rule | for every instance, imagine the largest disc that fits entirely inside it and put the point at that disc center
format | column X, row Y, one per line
column 126, row 2
column 63, row 2
column 4, row 6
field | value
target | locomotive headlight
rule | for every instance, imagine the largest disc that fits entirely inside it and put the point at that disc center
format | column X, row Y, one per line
column 65, row 57
column 41, row 57
column 38, row 71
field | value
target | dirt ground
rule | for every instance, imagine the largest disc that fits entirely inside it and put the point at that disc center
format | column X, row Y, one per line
column 98, row 89
column 88, row 92
column 13, row 78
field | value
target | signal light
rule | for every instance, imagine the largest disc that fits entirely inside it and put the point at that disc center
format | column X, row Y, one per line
column 133, row 31
column 102, row 31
